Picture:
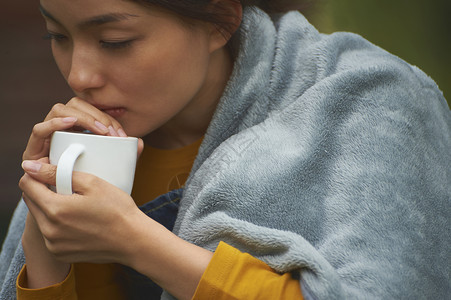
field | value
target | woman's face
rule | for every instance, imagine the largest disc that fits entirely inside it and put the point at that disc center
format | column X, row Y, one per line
column 143, row 66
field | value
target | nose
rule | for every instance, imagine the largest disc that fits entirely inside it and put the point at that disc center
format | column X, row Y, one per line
column 85, row 71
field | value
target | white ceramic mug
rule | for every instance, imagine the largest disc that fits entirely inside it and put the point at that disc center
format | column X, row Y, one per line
column 111, row 158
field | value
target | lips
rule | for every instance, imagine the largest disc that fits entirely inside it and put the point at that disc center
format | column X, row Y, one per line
column 115, row 112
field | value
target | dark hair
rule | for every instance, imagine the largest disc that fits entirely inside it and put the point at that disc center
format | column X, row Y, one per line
column 217, row 13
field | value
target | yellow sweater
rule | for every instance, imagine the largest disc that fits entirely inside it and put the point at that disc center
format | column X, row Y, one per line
column 230, row 274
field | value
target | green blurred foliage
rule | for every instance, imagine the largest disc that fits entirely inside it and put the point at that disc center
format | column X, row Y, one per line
column 418, row 31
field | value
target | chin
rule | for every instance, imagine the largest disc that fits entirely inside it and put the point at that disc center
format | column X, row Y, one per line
column 136, row 132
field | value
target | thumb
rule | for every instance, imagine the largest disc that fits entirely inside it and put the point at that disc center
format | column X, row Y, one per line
column 40, row 170
column 44, row 160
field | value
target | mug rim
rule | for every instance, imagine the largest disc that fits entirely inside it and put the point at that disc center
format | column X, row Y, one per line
column 58, row 132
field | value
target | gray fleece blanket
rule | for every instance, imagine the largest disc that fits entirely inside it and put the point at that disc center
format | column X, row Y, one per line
column 328, row 158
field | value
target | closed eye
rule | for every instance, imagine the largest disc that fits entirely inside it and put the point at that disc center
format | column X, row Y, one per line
column 54, row 36
column 115, row 45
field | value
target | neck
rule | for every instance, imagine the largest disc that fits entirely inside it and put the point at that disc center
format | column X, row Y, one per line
column 191, row 124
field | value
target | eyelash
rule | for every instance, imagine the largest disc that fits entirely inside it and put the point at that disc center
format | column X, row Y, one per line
column 54, row 36
column 104, row 44
column 115, row 45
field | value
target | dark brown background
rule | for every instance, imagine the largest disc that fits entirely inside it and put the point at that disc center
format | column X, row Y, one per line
column 29, row 84
column 418, row 31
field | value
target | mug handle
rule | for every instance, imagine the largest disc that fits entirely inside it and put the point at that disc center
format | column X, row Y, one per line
column 65, row 167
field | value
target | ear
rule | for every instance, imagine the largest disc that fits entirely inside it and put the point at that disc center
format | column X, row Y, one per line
column 231, row 13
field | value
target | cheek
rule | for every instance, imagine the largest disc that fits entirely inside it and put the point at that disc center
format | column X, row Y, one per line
column 184, row 68
column 159, row 87
column 178, row 70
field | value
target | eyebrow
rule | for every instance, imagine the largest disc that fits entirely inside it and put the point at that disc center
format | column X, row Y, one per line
column 93, row 21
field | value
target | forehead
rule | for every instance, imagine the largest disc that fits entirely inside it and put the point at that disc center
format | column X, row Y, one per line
column 92, row 11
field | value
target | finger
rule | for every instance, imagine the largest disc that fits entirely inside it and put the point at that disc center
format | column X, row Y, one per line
column 44, row 160
column 121, row 132
column 41, row 171
column 45, row 173
column 103, row 121
column 36, row 195
column 42, row 203
column 140, row 146
column 84, row 119
column 114, row 127
column 83, row 183
column 39, row 142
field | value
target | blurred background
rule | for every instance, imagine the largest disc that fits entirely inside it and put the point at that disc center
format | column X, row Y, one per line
column 416, row 30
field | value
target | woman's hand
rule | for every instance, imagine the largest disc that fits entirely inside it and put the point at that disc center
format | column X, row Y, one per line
column 89, row 226
column 77, row 113
column 42, row 268
column 100, row 224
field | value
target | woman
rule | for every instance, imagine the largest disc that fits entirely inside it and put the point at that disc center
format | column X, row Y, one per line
column 321, row 162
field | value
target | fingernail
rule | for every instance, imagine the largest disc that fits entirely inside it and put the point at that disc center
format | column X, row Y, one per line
column 69, row 120
column 112, row 131
column 121, row 132
column 31, row 166
column 101, row 126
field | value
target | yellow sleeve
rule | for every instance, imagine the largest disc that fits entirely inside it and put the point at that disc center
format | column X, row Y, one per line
column 232, row 274
column 63, row 290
